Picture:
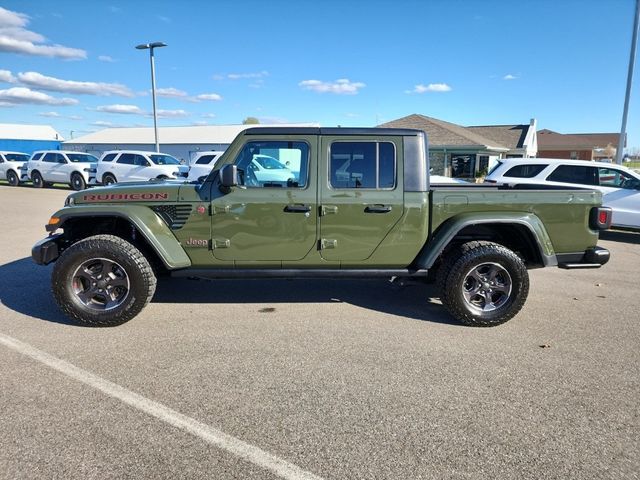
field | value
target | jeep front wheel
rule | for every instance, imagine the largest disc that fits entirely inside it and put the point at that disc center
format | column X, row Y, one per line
column 486, row 285
column 102, row 281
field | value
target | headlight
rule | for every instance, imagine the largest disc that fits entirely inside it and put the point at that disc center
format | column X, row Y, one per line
column 69, row 202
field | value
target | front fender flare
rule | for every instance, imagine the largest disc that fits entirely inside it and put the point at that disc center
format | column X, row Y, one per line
column 450, row 228
column 150, row 226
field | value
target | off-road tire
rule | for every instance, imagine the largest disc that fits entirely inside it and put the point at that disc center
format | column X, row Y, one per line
column 37, row 180
column 142, row 281
column 108, row 179
column 456, row 269
column 13, row 178
column 77, row 182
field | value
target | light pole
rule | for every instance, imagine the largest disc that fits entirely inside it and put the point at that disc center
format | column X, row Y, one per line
column 632, row 60
column 150, row 47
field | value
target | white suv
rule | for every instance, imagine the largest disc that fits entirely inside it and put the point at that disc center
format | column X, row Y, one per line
column 202, row 164
column 133, row 165
column 619, row 185
column 11, row 164
column 76, row 169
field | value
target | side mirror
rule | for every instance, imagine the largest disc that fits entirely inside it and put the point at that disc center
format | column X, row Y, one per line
column 229, row 176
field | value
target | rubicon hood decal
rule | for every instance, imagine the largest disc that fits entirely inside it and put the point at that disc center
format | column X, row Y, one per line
column 123, row 197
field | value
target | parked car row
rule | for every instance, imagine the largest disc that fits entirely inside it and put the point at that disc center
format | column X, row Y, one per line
column 620, row 186
column 80, row 170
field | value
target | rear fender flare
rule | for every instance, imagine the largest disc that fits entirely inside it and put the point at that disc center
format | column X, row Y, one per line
column 150, row 226
column 450, row 228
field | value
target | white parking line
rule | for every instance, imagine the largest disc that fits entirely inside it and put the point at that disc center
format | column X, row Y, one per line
column 209, row 434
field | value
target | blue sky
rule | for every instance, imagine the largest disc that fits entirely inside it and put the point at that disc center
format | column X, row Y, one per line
column 73, row 65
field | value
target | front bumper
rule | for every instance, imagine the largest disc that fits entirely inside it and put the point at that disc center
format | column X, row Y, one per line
column 46, row 250
column 593, row 257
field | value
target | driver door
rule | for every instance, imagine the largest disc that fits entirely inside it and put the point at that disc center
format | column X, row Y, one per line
column 264, row 220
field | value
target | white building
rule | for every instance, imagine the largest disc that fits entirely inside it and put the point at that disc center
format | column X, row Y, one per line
column 181, row 142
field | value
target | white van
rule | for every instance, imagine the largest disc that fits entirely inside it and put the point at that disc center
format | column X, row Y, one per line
column 135, row 166
column 11, row 164
column 76, row 169
column 202, row 164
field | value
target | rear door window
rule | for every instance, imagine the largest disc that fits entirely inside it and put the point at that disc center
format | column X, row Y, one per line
column 524, row 171
column 369, row 165
column 578, row 174
column 127, row 159
column 37, row 157
column 109, row 157
column 50, row 157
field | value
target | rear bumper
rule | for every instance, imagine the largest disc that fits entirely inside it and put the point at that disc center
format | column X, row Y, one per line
column 46, row 250
column 593, row 257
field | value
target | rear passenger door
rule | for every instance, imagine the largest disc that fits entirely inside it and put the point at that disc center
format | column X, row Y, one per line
column 123, row 167
column 361, row 195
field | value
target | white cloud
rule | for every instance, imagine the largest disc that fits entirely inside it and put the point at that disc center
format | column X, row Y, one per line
column 105, row 58
column 21, row 96
column 15, row 38
column 509, row 76
column 200, row 123
column 115, row 9
column 208, row 115
column 171, row 93
column 342, row 86
column 119, row 108
column 57, row 115
column 172, row 113
column 238, row 76
column 37, row 80
column 7, row 77
column 209, row 96
column 164, row 19
column 432, row 87
column 101, row 123
column 217, row 76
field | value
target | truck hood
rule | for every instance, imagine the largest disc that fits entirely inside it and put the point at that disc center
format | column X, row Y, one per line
column 133, row 192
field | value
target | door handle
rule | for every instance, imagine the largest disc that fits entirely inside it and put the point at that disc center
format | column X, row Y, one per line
column 297, row 208
column 377, row 209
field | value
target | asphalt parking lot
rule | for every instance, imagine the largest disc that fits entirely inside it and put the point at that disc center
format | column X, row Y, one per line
column 317, row 379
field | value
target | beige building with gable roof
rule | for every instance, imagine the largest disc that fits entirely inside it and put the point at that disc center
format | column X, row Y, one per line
column 466, row 152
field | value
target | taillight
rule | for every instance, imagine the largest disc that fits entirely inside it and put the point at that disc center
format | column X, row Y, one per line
column 600, row 218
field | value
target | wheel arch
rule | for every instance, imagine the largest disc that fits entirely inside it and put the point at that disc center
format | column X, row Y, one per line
column 524, row 234
column 142, row 227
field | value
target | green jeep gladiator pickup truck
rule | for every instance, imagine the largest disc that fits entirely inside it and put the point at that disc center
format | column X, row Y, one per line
column 318, row 202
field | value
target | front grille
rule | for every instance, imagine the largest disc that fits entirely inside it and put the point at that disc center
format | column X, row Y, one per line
column 174, row 215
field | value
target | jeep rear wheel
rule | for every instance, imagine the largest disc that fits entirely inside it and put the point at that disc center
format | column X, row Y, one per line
column 77, row 181
column 12, row 178
column 485, row 286
column 102, row 281
column 37, row 180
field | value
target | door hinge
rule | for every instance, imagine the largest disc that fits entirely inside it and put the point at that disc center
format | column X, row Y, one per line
column 328, row 209
column 222, row 243
column 327, row 243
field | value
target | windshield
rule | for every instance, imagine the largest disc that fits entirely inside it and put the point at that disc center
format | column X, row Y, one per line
column 16, row 157
column 164, row 160
column 81, row 158
column 269, row 163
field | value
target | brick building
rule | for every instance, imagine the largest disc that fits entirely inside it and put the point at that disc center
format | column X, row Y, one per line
column 577, row 146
